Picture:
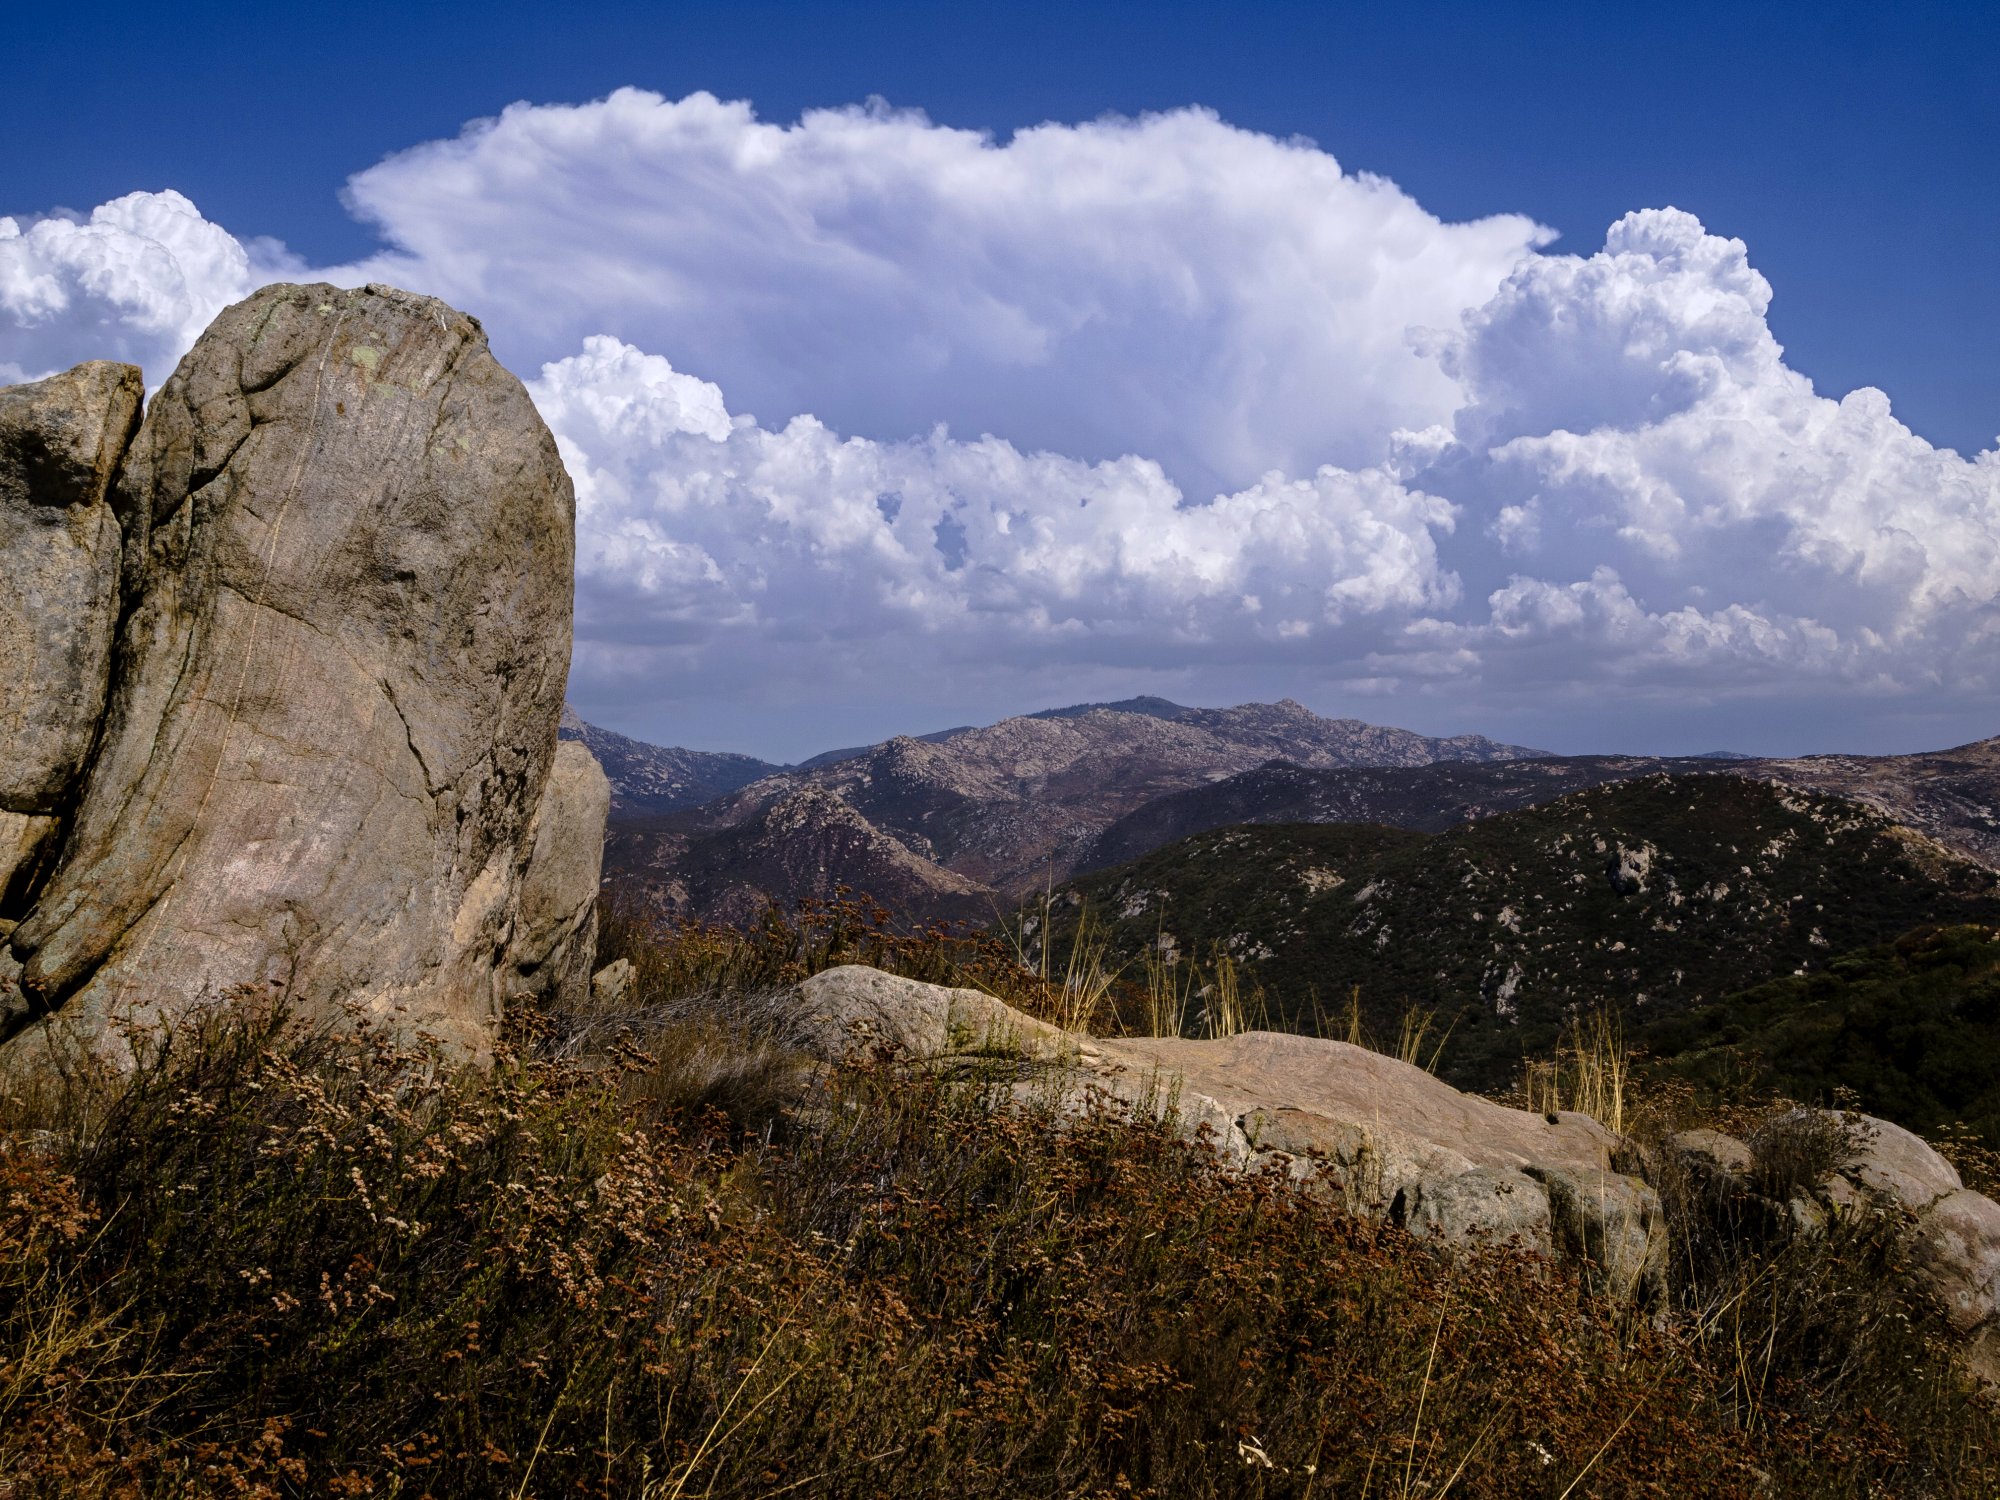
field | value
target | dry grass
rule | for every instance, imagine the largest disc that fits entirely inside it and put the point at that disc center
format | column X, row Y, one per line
column 1226, row 1010
column 650, row 1253
column 1591, row 1073
column 1076, row 987
column 1169, row 989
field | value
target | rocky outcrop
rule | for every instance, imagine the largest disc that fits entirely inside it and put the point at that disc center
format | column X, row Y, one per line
column 1377, row 1136
column 1954, row 1232
column 322, row 740
column 60, row 443
column 1382, row 1138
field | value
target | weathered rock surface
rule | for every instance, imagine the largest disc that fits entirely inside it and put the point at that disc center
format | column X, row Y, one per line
column 1379, row 1136
column 555, row 920
column 1954, row 1232
column 326, row 757
column 1957, row 1235
column 612, row 986
column 61, row 441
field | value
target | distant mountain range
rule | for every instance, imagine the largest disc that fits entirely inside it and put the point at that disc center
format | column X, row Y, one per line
column 963, row 823
column 953, row 824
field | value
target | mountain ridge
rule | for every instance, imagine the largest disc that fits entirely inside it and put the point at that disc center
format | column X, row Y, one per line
column 1948, row 795
column 1007, row 806
column 982, row 815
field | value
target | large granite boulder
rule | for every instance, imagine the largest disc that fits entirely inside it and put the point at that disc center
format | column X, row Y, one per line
column 325, row 757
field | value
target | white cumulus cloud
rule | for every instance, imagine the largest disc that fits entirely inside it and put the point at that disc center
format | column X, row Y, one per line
column 1130, row 404
column 1222, row 301
column 723, row 544
column 137, row 280
column 1637, row 438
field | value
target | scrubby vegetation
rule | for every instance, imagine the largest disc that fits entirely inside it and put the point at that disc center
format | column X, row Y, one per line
column 1650, row 898
column 282, row 1260
column 1909, row 1029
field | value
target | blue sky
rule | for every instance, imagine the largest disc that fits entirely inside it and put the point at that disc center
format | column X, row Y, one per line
column 1855, row 147
column 1852, row 150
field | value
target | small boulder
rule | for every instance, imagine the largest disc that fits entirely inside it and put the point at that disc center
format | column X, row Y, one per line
column 611, row 986
column 555, row 916
column 1958, row 1255
column 858, row 1012
column 1716, row 1154
column 1899, row 1165
column 1613, row 1224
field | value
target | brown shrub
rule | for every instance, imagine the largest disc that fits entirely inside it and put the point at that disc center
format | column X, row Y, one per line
column 286, row 1261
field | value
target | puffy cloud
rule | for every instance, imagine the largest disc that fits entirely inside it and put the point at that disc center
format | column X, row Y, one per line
column 1252, row 420
column 1631, row 425
column 725, row 544
column 137, row 280
column 1222, row 301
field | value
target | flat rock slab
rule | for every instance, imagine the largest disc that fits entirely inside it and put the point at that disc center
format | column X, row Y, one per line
column 1378, row 1136
column 1343, row 1082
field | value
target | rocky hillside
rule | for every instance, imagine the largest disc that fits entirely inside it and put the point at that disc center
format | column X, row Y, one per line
column 1952, row 796
column 660, row 778
column 1428, row 799
column 1651, row 896
column 982, row 814
column 806, row 844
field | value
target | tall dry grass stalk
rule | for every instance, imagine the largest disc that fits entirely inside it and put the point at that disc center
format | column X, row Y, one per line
column 1225, row 1000
column 1079, row 983
column 1590, row 1073
column 1418, row 1042
column 1414, row 1031
column 1226, row 1010
column 1169, row 987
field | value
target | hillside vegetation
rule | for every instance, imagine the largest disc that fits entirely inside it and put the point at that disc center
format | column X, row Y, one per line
column 1647, row 898
column 279, row 1261
column 1909, row 1029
